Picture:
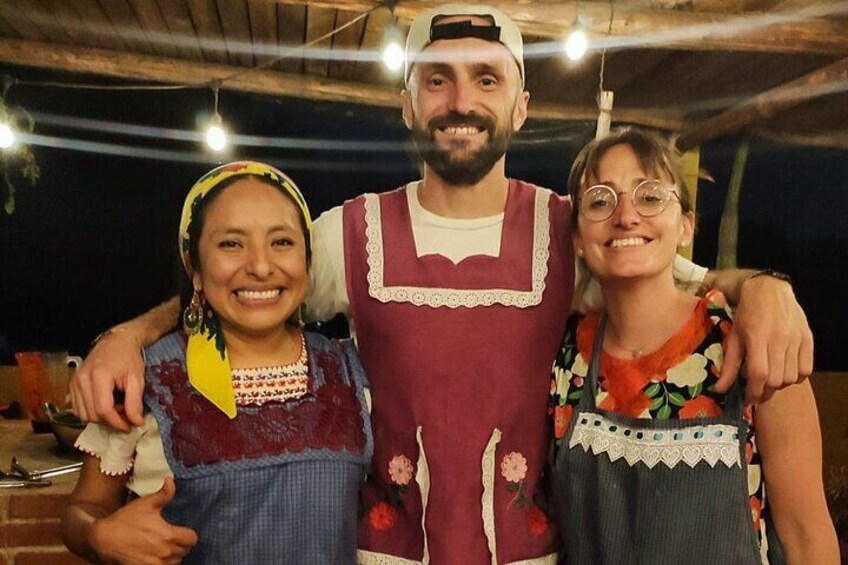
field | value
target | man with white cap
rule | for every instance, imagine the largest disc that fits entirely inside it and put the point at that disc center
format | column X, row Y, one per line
column 457, row 287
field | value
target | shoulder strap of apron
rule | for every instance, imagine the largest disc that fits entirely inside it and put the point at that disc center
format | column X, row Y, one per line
column 590, row 386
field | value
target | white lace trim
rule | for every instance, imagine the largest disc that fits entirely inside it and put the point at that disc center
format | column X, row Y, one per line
column 711, row 443
column 488, row 499
column 422, row 477
column 108, row 467
column 550, row 559
column 453, row 297
column 371, row 558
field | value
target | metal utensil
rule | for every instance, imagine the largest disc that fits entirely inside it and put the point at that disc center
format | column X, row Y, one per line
column 47, row 473
column 11, row 480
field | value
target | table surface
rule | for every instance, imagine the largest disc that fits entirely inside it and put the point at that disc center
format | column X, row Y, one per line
column 36, row 452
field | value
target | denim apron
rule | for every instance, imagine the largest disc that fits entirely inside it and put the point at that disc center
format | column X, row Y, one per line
column 641, row 491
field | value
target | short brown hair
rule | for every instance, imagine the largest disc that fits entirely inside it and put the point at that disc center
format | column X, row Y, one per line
column 656, row 154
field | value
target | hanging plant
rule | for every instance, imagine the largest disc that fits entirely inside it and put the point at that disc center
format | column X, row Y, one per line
column 19, row 158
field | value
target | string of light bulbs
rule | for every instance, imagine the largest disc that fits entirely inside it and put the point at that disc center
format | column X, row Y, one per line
column 216, row 135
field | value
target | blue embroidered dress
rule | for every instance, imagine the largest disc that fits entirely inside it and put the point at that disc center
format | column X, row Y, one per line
column 279, row 482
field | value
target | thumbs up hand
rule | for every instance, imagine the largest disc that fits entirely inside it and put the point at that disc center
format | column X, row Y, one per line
column 136, row 534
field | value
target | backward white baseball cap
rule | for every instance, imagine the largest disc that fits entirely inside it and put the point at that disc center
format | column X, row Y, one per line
column 503, row 30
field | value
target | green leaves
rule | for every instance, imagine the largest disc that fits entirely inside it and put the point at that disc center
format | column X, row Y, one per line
column 652, row 390
column 676, row 398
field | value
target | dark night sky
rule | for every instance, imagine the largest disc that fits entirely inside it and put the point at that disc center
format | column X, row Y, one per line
column 93, row 242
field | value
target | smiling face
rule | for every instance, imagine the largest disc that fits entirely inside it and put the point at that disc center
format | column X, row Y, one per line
column 463, row 104
column 253, row 265
column 628, row 245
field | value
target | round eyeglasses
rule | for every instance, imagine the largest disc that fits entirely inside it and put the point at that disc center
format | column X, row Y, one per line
column 650, row 198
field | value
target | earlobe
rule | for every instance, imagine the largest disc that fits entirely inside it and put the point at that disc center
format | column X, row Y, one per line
column 687, row 229
column 407, row 112
column 519, row 114
column 577, row 243
column 196, row 282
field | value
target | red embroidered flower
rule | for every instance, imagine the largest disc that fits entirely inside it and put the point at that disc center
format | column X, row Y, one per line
column 538, row 521
column 330, row 367
column 340, row 425
column 381, row 516
column 756, row 509
column 700, row 407
column 562, row 417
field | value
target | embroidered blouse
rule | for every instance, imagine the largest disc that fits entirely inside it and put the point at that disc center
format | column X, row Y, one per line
column 675, row 381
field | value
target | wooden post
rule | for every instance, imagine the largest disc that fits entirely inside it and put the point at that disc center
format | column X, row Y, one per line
column 728, row 232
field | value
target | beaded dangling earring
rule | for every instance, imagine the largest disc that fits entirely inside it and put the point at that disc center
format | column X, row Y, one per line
column 193, row 315
column 300, row 323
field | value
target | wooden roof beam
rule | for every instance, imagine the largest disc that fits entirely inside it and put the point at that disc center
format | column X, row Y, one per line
column 789, row 31
column 827, row 80
column 137, row 67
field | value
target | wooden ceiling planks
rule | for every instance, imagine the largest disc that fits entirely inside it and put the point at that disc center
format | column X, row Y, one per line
column 819, row 83
column 18, row 20
column 153, row 23
column 207, row 27
column 346, row 44
column 669, row 28
column 178, row 20
column 291, row 27
column 623, row 68
column 822, row 115
column 95, row 20
column 235, row 25
column 373, row 70
column 653, row 84
column 126, row 24
column 660, row 87
column 319, row 22
column 7, row 30
column 557, row 79
column 66, row 18
column 263, row 29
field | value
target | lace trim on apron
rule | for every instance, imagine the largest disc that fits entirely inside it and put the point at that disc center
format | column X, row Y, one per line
column 451, row 297
column 712, row 443
column 371, row 558
column 422, row 477
column 488, row 499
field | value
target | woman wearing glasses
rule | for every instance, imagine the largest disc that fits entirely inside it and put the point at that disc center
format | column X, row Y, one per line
column 652, row 465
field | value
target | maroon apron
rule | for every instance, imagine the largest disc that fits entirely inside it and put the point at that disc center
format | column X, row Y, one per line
column 459, row 358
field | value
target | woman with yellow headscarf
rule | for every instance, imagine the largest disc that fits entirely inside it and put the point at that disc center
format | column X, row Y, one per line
column 263, row 426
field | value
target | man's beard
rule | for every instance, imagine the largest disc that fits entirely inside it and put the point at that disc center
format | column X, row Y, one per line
column 456, row 165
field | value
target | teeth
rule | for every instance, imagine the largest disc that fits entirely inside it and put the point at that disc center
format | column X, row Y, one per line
column 258, row 294
column 629, row 242
column 465, row 130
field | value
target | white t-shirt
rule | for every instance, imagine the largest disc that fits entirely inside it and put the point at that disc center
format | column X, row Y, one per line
column 452, row 238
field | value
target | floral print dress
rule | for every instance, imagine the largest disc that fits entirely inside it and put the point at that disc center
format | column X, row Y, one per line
column 676, row 381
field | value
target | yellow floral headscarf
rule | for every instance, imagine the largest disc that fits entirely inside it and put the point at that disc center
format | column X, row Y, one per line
column 208, row 366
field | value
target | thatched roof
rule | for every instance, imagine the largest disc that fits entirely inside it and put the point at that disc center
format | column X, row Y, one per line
column 776, row 68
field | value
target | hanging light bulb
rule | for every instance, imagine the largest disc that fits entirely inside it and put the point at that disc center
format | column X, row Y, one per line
column 393, row 56
column 577, row 43
column 7, row 136
column 216, row 137
column 393, row 53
